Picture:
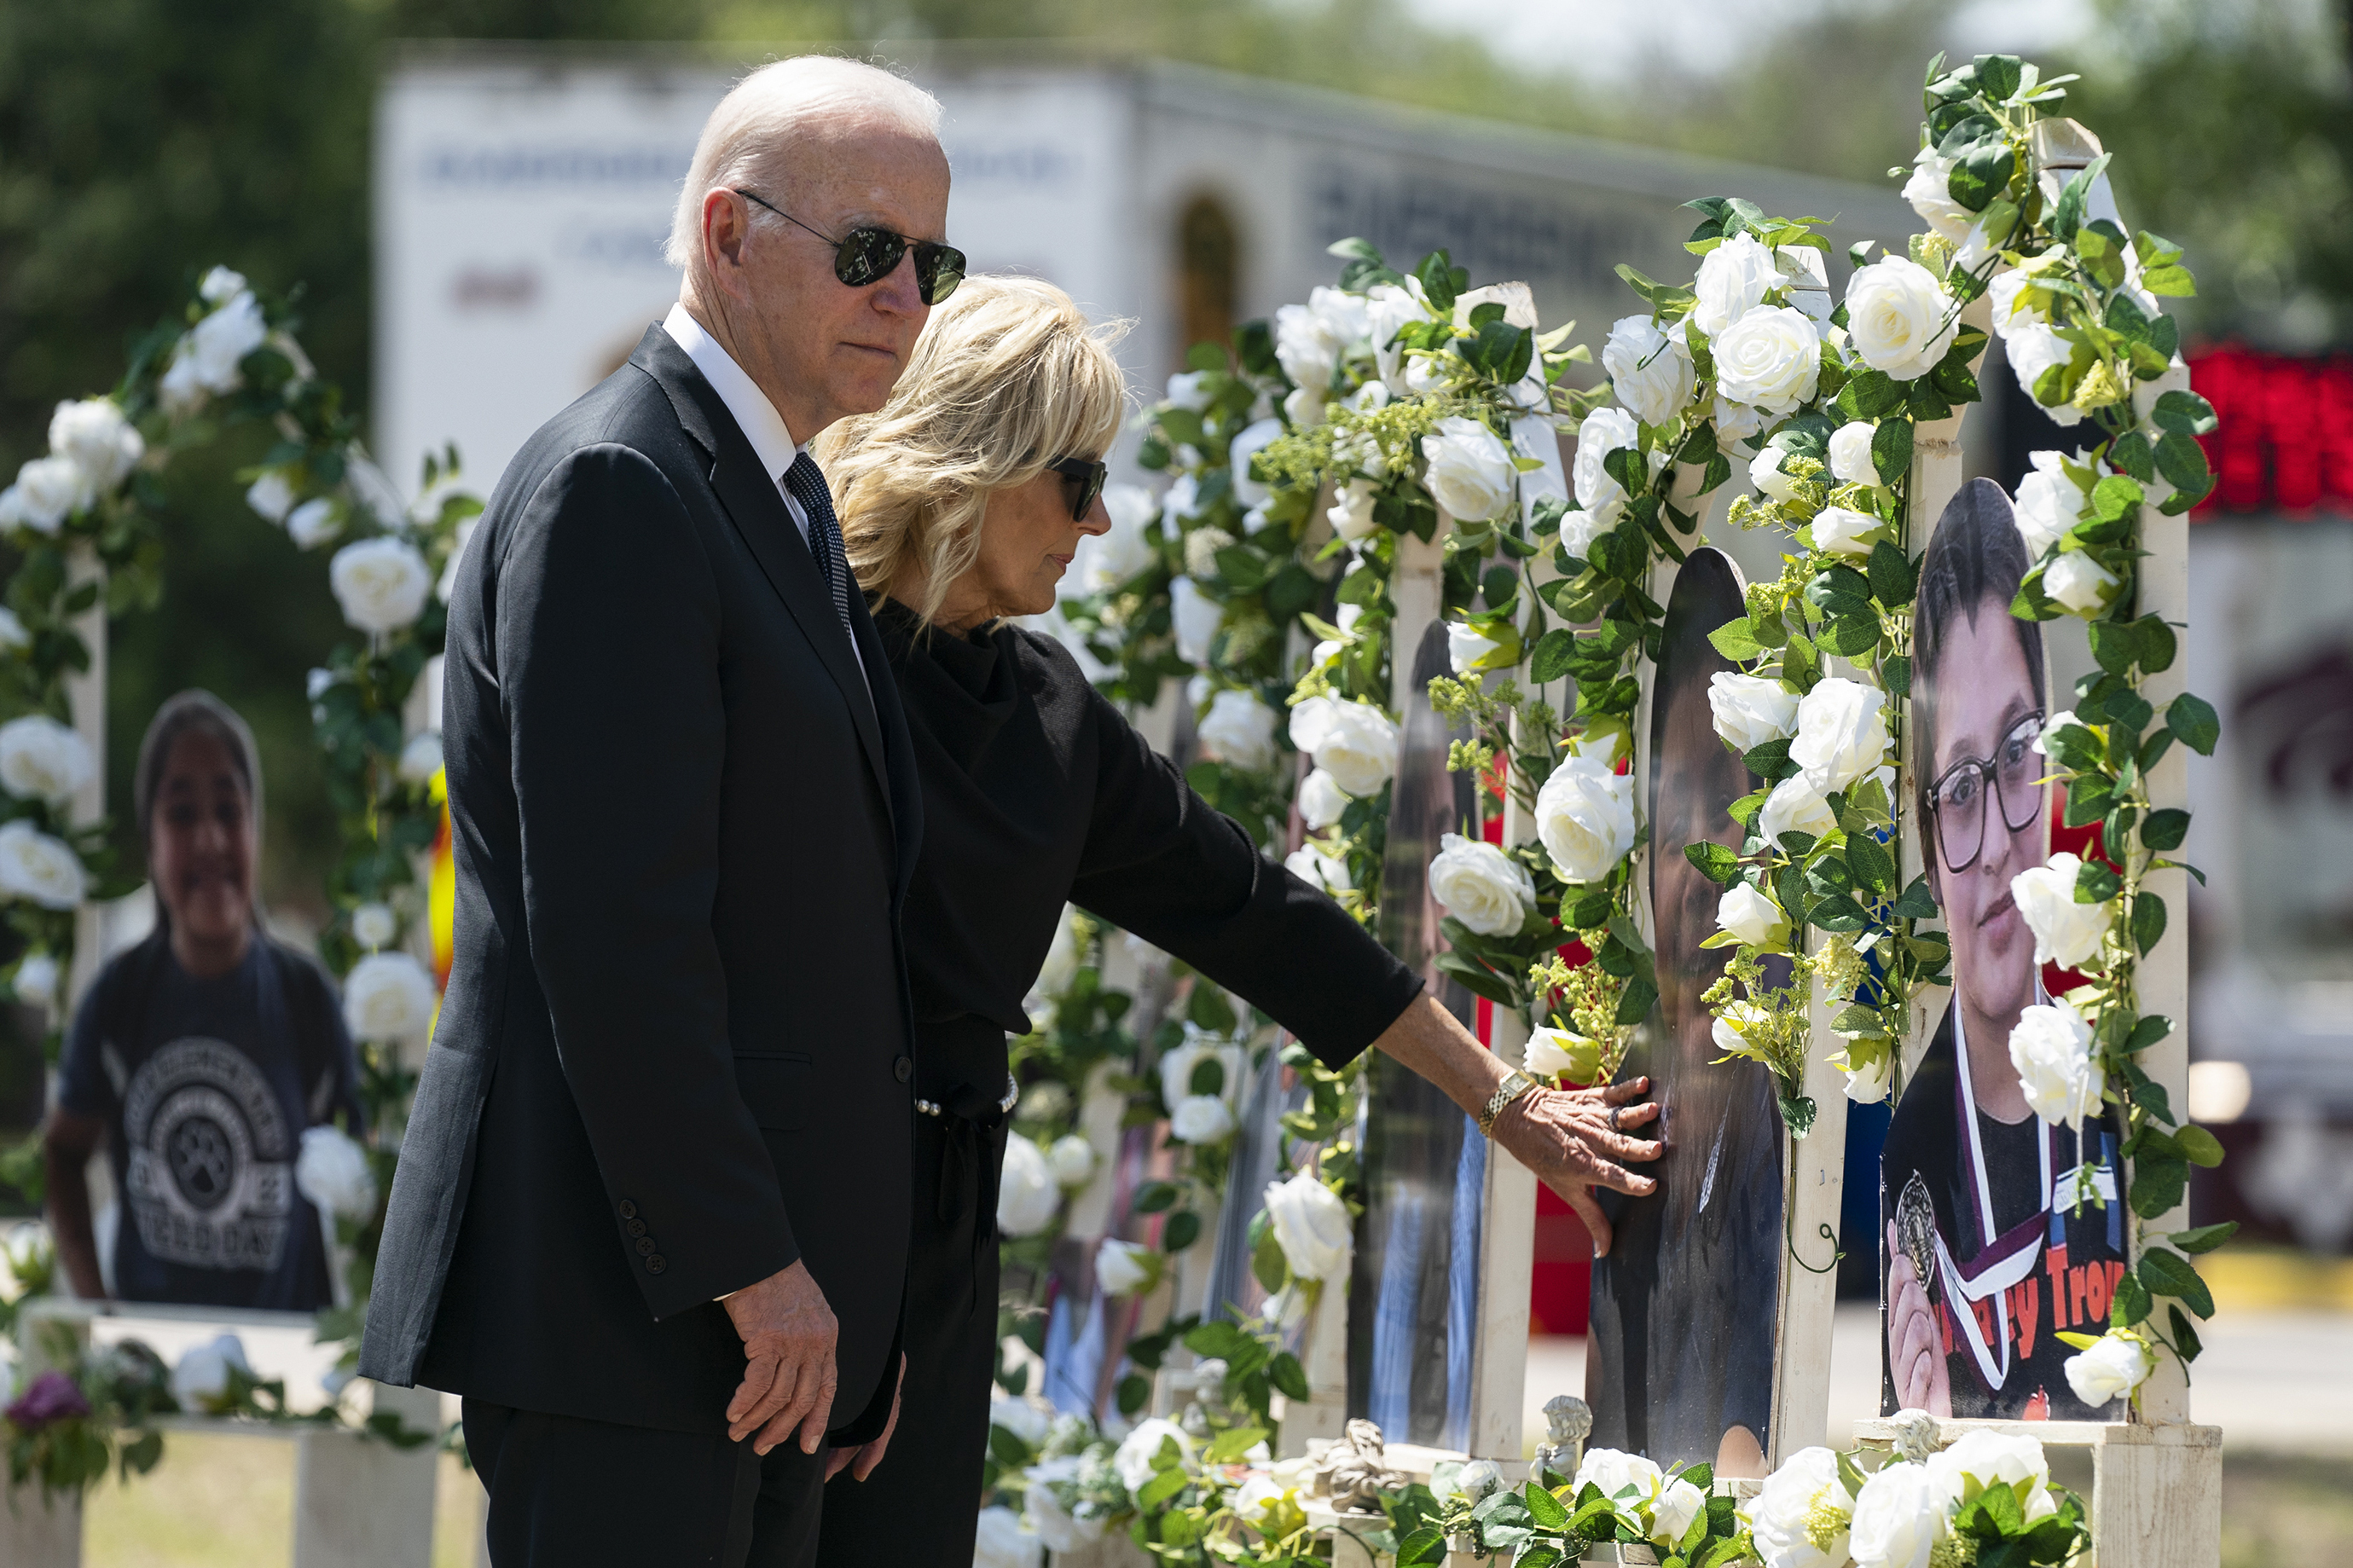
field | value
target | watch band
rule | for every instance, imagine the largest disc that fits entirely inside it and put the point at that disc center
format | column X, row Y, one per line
column 1515, row 1084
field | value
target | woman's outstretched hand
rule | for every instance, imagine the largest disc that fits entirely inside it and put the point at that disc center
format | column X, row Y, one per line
column 1573, row 1143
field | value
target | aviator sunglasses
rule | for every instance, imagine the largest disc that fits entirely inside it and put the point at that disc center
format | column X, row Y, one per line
column 865, row 255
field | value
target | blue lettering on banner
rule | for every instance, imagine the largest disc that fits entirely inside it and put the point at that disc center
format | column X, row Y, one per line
column 617, row 248
column 506, row 167
column 1496, row 234
column 1034, row 165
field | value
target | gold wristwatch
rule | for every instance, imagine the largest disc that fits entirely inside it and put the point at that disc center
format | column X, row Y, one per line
column 1515, row 1084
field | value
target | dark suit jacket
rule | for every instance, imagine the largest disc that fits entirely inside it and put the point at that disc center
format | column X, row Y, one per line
column 675, row 1053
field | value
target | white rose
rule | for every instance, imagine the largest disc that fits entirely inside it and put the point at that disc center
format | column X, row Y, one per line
column 2051, row 1046
column 1132, row 1461
column 1200, row 1118
column 1021, row 1418
column 1751, row 916
column 1180, row 1061
column 374, row 925
column 1867, row 1081
column 332, row 1172
column 36, row 867
column 1312, row 1226
column 1770, row 359
column 1737, row 421
column 381, row 584
column 1351, row 515
column 41, row 759
column 1002, row 1540
column 1842, row 733
column 272, row 496
column 1579, row 528
column 1850, row 453
column 101, row 443
column 201, row 1380
column 1321, row 801
column 1930, row 191
column 1255, row 1496
column 1585, row 815
column 47, row 490
column 1562, row 1055
column 1470, row 470
column 1605, row 430
column 37, row 980
column 1899, row 1518
column 1899, row 317
column 421, row 758
column 2031, row 349
column 1072, row 1159
column 1183, row 500
column 1354, row 742
column 2048, row 504
column 1794, row 805
column 1053, row 1525
column 1312, row 865
column 315, row 522
column 2113, row 1367
column 2002, row 307
column 2065, row 932
column 1727, row 1030
column 1389, row 309
column 2046, row 743
column 1196, row 615
column 1240, row 729
column 2080, row 584
column 1616, row 1474
column 1764, row 473
column 1480, row 886
column 1751, row 709
column 216, row 347
column 1789, row 1509
column 1304, row 407
column 1187, row 389
column 1126, row 1268
column 14, row 638
column 1981, row 1460
column 1733, row 281
column 1839, row 530
column 1466, row 646
column 1108, row 559
column 1649, row 372
column 1253, row 439
column 1307, row 338
column 388, row 996
column 1201, row 547
column 1026, row 1195
column 220, row 283
column 1679, row 1503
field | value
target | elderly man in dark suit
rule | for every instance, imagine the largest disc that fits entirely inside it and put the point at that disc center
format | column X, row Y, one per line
column 652, row 1208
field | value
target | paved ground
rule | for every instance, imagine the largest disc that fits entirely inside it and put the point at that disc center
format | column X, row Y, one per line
column 2278, row 1382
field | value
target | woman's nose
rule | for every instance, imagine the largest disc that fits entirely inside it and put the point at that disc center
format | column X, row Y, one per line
column 1098, row 519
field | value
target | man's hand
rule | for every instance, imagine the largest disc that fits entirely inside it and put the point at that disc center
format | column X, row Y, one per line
column 1915, row 1348
column 867, row 1456
column 1574, row 1139
column 788, row 1337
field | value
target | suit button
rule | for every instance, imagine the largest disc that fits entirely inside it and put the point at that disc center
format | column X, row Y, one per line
column 655, row 1265
column 628, row 1209
column 645, row 1247
column 637, row 1227
column 902, row 1069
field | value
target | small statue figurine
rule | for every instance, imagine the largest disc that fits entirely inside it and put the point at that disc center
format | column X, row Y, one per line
column 1570, row 1421
column 1351, row 1475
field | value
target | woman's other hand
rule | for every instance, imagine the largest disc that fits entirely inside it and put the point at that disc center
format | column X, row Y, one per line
column 1576, row 1140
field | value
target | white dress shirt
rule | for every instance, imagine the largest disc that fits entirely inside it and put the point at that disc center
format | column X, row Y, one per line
column 754, row 416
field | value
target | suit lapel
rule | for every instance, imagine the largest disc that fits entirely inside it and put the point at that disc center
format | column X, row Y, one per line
column 756, row 508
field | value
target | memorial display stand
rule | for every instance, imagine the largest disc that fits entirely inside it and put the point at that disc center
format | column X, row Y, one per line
column 359, row 1502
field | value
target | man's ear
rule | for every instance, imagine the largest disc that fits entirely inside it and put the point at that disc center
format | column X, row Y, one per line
column 726, row 226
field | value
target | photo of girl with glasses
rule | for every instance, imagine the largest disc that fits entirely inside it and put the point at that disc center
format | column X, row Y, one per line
column 1986, row 1254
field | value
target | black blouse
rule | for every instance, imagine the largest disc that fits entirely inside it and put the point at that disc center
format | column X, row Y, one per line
column 1036, row 790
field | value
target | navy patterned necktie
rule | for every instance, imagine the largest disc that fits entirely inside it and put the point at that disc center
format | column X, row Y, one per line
column 806, row 483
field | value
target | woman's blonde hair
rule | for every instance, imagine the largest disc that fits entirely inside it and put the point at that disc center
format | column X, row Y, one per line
column 1007, row 377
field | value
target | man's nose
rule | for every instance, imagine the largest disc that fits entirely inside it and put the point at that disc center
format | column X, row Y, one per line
column 899, row 294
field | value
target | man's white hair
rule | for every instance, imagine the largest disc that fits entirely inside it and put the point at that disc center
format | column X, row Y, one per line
column 740, row 140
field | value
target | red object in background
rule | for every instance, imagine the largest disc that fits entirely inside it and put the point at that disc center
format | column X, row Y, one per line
column 2282, row 439
column 1560, row 1286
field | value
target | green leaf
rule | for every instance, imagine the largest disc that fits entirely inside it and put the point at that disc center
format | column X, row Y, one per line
column 1917, row 903
column 1736, row 640
column 1871, row 395
column 2183, row 463
column 2147, row 920
column 2203, row 1237
column 2095, row 884
column 1980, row 174
column 1426, row 1547
column 1476, row 978
column 1155, row 1196
column 2158, row 1184
column 1892, row 578
column 1553, row 653
column 1896, row 672
column 1544, row 1509
column 1164, row 1486
column 1714, row 862
column 2183, row 414
column 1228, row 1446
column 2171, row 1274
column 2130, row 1304
column 2191, row 718
column 1183, row 1229
column 1891, row 449
column 1635, row 1002
column 1288, row 1377
column 2185, row 1338
column 2201, row 1147
column 1134, row 1389
column 1769, row 761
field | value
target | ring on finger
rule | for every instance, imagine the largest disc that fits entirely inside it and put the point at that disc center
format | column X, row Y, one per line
column 1613, row 1119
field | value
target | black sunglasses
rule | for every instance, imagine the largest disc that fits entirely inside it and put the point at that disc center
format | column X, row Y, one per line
column 866, row 255
column 1087, row 478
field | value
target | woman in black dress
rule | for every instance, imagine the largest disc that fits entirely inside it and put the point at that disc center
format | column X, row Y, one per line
column 957, row 510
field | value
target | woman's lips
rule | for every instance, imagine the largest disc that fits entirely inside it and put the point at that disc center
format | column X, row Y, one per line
column 2004, row 907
